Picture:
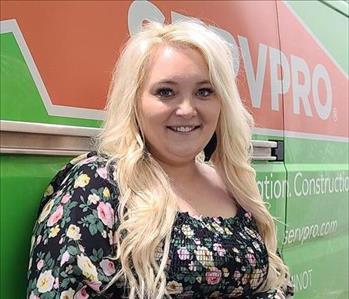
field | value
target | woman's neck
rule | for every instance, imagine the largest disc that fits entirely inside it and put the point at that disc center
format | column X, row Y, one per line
column 184, row 172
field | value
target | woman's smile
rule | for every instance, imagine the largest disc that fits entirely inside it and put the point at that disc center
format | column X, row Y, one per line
column 183, row 129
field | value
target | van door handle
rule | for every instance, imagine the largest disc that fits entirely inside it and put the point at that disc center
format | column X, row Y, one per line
column 268, row 150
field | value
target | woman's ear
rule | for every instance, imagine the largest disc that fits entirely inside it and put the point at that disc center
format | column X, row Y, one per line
column 210, row 147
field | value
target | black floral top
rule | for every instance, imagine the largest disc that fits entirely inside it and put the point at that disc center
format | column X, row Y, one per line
column 73, row 243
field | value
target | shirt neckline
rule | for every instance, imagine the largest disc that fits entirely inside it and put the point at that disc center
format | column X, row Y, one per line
column 230, row 219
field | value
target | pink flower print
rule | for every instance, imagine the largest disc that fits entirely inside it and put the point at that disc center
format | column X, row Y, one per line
column 56, row 216
column 183, row 253
column 216, row 219
column 106, row 213
column 237, row 275
column 220, row 250
column 108, row 267
column 81, row 294
column 102, row 172
column 213, row 276
column 56, row 284
column 248, row 215
column 197, row 241
column 65, row 198
column 94, row 285
column 32, row 296
column 88, row 160
column 251, row 259
column 65, row 258
column 244, row 279
column 40, row 264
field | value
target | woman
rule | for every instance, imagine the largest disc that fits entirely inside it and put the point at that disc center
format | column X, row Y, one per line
column 146, row 217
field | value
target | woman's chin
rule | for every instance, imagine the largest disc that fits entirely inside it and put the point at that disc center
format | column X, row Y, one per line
column 182, row 155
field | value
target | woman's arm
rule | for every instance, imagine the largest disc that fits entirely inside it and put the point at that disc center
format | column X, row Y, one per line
column 74, row 234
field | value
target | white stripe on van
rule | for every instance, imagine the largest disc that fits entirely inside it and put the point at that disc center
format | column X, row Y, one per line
column 294, row 134
column 11, row 26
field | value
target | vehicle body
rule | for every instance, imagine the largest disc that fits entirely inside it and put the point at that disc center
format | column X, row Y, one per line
column 292, row 72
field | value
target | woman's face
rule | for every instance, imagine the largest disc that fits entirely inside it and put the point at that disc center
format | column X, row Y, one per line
column 179, row 108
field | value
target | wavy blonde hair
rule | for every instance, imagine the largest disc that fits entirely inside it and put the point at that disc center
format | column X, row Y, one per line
column 147, row 205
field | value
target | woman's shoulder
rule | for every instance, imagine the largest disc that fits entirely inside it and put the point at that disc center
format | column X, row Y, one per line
column 90, row 157
column 86, row 174
column 92, row 163
column 91, row 160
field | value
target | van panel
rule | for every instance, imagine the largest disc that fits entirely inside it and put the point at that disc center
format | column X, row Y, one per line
column 56, row 65
column 316, row 147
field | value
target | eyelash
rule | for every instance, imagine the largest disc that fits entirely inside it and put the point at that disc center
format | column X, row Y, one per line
column 160, row 90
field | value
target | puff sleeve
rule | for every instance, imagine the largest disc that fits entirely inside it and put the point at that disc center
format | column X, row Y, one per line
column 73, row 238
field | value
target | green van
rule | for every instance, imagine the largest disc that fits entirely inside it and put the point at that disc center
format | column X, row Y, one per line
column 292, row 72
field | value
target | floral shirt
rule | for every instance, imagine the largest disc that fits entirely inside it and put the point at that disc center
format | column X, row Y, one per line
column 73, row 244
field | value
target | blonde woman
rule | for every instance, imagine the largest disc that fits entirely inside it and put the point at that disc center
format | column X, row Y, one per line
column 145, row 216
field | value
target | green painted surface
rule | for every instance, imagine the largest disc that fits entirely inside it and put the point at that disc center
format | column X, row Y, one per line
column 316, row 236
column 316, row 196
column 20, row 99
column 23, row 180
column 341, row 6
column 320, row 268
column 323, row 22
column 307, row 151
column 267, row 172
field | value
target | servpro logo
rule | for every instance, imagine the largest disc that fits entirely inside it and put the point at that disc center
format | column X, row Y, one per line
column 286, row 78
column 287, row 74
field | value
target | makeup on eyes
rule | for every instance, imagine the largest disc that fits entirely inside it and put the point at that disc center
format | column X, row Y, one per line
column 167, row 92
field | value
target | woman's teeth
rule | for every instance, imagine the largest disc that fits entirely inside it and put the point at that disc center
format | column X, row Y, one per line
column 183, row 129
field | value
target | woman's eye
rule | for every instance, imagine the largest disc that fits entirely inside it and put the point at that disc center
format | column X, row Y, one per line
column 205, row 92
column 164, row 92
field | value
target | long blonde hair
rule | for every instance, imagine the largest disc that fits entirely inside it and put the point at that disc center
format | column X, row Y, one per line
column 147, row 206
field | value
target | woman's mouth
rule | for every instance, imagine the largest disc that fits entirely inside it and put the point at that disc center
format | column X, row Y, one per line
column 183, row 129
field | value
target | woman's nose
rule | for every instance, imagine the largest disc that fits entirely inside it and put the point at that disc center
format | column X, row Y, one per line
column 186, row 108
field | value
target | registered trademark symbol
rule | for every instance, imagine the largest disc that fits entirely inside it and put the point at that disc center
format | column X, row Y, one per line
column 334, row 114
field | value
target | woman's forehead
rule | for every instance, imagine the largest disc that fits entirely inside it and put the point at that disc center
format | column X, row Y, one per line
column 171, row 63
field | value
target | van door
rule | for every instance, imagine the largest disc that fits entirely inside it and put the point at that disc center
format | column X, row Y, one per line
column 314, row 47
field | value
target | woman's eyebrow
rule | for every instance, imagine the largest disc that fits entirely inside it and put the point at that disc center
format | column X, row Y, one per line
column 166, row 81
column 174, row 82
column 204, row 82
